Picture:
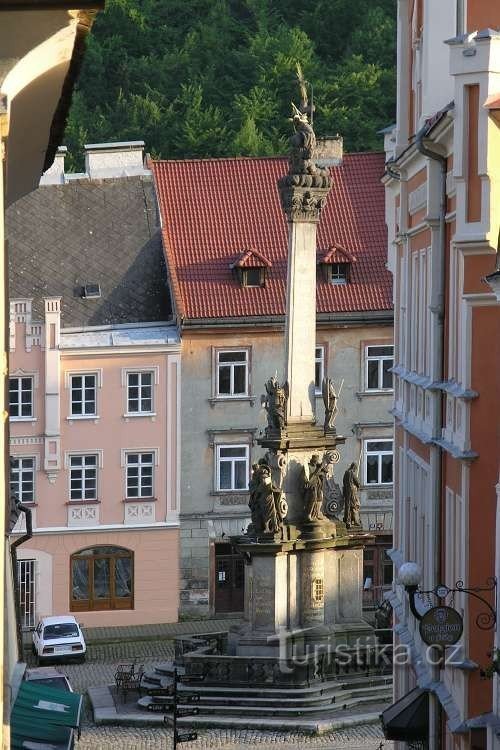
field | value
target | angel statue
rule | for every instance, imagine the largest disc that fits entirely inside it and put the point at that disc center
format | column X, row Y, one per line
column 275, row 403
column 330, row 401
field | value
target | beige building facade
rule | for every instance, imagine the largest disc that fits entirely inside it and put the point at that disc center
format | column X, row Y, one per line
column 226, row 262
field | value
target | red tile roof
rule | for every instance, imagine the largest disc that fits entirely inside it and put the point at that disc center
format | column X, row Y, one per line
column 336, row 254
column 214, row 210
column 251, row 259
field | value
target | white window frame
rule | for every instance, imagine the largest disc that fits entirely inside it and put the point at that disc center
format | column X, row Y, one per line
column 380, row 358
column 319, row 359
column 232, row 365
column 20, row 417
column 20, row 472
column 154, row 462
column 83, row 375
column 246, row 458
column 140, row 373
column 379, row 453
column 82, row 468
column 334, row 274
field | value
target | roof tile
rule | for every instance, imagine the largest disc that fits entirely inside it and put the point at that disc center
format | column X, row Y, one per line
column 212, row 208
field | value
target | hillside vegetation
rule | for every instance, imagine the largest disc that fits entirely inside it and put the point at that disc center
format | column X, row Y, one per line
column 195, row 78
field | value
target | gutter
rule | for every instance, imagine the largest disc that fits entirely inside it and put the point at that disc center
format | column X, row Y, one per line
column 13, row 556
column 366, row 317
column 437, row 310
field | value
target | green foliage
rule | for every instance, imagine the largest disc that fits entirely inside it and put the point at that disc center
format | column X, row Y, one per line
column 197, row 78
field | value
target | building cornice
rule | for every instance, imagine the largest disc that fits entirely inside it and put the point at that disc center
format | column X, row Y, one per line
column 341, row 319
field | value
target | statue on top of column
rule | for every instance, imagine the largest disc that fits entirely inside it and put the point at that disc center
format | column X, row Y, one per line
column 352, row 505
column 275, row 404
column 330, row 401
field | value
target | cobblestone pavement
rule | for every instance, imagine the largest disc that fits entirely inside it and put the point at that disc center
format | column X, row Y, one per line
column 130, row 738
column 99, row 669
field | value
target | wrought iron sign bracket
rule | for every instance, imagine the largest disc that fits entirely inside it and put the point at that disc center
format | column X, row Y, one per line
column 485, row 620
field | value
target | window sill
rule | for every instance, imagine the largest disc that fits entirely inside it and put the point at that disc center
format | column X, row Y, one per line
column 29, row 503
column 139, row 500
column 229, row 492
column 226, row 399
column 23, row 419
column 379, row 392
column 83, row 418
column 83, row 502
column 134, row 415
column 386, row 486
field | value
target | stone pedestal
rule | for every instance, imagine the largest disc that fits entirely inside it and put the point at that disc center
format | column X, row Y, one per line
column 301, row 594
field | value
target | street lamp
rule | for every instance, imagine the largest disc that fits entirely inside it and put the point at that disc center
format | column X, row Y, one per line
column 410, row 575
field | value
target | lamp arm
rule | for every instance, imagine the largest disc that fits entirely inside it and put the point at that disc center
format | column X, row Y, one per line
column 411, row 591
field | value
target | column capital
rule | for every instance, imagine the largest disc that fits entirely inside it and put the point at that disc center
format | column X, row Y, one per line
column 301, row 198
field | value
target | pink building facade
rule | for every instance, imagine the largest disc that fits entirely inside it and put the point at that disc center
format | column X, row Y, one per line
column 94, row 427
column 95, row 423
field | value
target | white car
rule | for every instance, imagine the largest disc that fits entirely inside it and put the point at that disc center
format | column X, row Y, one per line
column 58, row 637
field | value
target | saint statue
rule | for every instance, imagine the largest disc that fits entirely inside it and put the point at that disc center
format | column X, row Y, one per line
column 313, row 486
column 351, row 500
column 330, row 402
column 275, row 404
column 266, row 503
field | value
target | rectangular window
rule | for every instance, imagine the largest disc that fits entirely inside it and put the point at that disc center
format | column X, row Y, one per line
column 378, row 461
column 83, row 477
column 140, row 392
column 379, row 361
column 232, row 373
column 319, row 365
column 338, row 273
column 22, row 479
column 83, row 395
column 140, row 474
column 232, row 467
column 20, row 397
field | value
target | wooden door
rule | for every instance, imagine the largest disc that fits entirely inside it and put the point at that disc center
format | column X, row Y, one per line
column 229, row 579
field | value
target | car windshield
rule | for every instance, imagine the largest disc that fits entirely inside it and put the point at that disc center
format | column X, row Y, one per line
column 60, row 630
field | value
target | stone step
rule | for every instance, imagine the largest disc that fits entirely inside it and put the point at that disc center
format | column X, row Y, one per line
column 155, row 705
column 348, row 704
column 327, row 697
column 277, row 693
column 163, row 683
column 166, row 669
column 308, row 725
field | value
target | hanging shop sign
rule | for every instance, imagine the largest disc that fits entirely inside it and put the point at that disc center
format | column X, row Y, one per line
column 441, row 626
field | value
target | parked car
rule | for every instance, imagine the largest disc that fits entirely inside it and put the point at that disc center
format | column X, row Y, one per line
column 58, row 637
column 48, row 676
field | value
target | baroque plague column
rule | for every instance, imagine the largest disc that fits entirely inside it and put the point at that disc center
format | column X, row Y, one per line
column 303, row 584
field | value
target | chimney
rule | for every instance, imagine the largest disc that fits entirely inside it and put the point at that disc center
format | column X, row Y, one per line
column 55, row 174
column 106, row 160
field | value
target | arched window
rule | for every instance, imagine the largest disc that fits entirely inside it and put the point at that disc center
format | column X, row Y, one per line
column 102, row 578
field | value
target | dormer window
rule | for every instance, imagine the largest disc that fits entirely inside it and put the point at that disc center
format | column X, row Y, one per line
column 253, row 277
column 250, row 268
column 339, row 273
column 337, row 265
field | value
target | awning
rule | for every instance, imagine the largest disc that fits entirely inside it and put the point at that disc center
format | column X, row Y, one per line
column 43, row 714
column 408, row 719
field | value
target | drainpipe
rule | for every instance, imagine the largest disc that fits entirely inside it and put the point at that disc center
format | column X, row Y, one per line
column 437, row 311
column 13, row 555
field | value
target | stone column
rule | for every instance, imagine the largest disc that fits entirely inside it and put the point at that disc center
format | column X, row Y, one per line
column 302, row 205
